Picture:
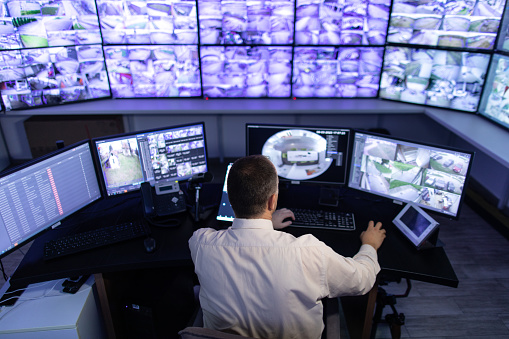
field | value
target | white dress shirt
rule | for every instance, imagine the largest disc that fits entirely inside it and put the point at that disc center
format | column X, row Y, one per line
column 260, row 282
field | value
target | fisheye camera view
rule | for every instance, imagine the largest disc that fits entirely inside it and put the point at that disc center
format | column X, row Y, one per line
column 297, row 154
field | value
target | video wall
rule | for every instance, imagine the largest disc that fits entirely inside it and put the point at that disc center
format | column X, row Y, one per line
column 441, row 53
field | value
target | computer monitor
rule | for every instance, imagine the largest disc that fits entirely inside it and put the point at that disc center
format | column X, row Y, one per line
column 225, row 211
column 44, row 191
column 160, row 155
column 432, row 177
column 303, row 153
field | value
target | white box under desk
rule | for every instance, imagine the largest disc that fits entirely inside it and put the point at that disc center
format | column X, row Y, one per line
column 44, row 311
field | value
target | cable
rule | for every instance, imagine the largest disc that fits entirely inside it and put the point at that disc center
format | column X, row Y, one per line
column 3, row 271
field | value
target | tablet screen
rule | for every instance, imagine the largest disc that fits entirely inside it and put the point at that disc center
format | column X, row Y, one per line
column 415, row 224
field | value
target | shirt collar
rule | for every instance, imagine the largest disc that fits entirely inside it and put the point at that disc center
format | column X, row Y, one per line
column 252, row 224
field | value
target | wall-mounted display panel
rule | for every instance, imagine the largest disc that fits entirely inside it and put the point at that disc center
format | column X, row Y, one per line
column 432, row 77
column 51, row 76
column 148, row 22
column 153, row 71
column 251, row 72
column 45, row 23
column 341, row 22
column 246, row 22
column 446, row 23
column 503, row 36
column 344, row 72
column 495, row 101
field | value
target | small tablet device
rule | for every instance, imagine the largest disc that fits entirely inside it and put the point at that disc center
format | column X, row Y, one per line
column 416, row 225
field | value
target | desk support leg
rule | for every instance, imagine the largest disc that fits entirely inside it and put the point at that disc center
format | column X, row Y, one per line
column 100, row 284
column 370, row 308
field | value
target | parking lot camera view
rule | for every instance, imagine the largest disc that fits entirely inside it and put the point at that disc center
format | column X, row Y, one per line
column 428, row 176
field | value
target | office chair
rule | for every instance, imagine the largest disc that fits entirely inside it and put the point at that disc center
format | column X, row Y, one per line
column 333, row 317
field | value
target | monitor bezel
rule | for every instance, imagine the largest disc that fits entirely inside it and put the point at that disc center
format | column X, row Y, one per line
column 35, row 162
column 134, row 134
column 312, row 181
column 420, row 143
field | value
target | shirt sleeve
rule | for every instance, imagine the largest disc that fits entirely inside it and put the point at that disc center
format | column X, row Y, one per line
column 350, row 276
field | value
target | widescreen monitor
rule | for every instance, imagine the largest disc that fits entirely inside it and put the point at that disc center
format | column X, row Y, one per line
column 337, row 72
column 341, row 23
column 495, row 100
column 43, row 192
column 433, row 77
column 432, row 177
column 162, row 155
column 302, row 154
column 148, row 22
column 45, row 23
column 456, row 24
column 143, row 71
column 246, row 71
column 50, row 76
column 246, row 22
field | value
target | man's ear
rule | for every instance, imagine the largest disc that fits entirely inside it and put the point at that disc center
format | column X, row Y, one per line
column 272, row 203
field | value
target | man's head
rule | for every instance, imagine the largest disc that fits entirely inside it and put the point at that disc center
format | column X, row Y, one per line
column 252, row 181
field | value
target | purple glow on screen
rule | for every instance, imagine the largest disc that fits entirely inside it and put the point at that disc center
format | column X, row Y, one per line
column 246, row 71
column 345, row 72
column 239, row 22
column 342, row 23
column 151, row 22
column 153, row 71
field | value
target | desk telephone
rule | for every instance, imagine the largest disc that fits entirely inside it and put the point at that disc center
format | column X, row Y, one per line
column 164, row 199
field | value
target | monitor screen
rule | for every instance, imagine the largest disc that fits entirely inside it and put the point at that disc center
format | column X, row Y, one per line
column 344, row 72
column 45, row 191
column 302, row 153
column 242, row 71
column 156, row 156
column 495, row 99
column 460, row 24
column 246, row 22
column 434, row 77
column 51, row 76
column 143, row 71
column 432, row 177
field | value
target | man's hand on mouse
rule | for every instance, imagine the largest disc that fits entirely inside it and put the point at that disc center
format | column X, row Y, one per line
column 374, row 235
column 279, row 216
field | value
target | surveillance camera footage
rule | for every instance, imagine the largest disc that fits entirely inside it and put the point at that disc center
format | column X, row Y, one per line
column 49, row 76
column 120, row 164
column 495, row 103
column 153, row 71
column 431, row 177
column 344, row 72
column 434, row 77
column 449, row 23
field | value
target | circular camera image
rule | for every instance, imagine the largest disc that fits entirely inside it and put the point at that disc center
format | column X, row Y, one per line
column 297, row 154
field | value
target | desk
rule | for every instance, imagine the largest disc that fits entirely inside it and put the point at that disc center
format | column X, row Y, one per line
column 397, row 256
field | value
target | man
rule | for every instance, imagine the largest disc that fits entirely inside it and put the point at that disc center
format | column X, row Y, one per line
column 259, row 282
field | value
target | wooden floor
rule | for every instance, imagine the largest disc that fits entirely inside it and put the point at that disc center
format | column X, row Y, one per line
column 478, row 308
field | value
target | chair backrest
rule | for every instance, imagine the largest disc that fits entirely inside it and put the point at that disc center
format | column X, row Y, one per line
column 207, row 333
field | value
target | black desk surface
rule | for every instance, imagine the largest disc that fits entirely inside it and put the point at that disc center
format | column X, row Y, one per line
column 397, row 256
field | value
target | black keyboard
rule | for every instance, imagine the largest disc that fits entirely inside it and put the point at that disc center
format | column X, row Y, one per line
column 98, row 237
column 323, row 219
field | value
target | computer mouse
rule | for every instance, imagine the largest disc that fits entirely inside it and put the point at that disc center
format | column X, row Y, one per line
column 150, row 244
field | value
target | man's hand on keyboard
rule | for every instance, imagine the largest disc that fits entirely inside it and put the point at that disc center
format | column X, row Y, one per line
column 279, row 216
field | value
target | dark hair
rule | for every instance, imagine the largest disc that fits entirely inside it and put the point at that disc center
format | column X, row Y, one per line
column 251, row 182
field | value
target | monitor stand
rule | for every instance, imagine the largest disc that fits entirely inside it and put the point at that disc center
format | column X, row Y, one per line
column 329, row 196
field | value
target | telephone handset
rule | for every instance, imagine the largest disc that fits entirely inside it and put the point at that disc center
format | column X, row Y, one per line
column 165, row 199
column 147, row 200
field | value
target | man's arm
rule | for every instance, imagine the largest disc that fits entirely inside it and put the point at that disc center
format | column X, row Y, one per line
column 357, row 275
